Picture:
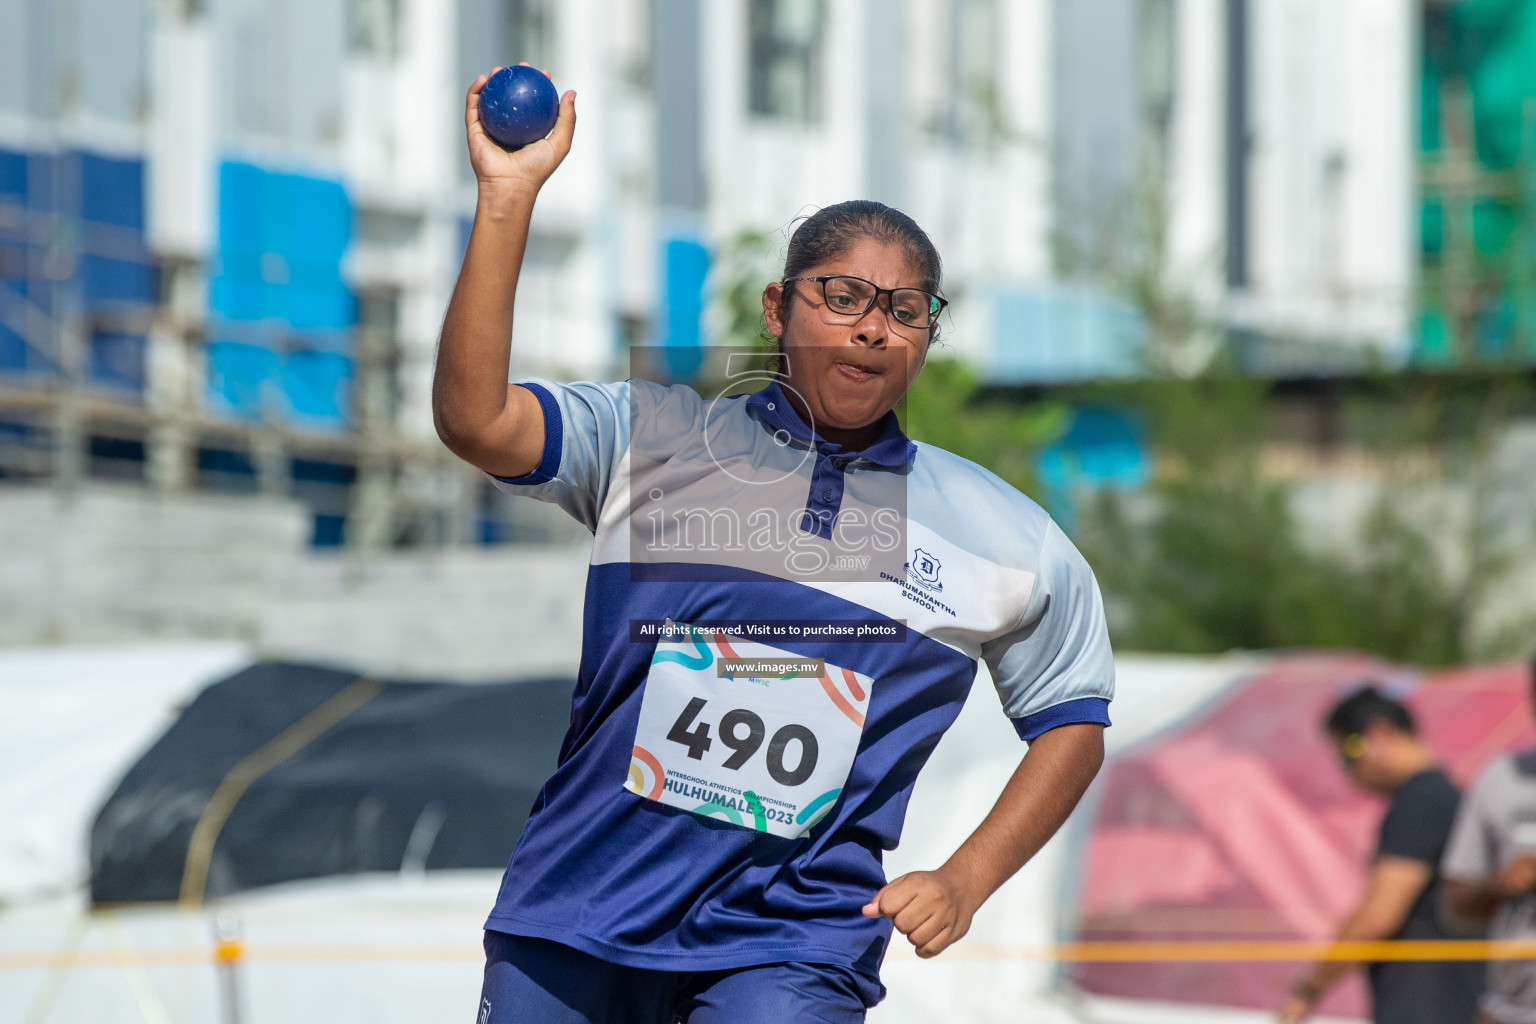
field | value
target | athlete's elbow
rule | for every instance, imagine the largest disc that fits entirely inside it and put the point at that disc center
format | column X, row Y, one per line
column 500, row 446
column 452, row 429
column 464, row 435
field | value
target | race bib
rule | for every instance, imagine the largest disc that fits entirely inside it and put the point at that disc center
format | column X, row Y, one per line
column 746, row 733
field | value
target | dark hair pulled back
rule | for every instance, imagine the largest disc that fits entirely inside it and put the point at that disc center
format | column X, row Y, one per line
column 832, row 230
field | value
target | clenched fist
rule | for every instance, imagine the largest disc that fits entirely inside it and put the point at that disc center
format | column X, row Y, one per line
column 931, row 908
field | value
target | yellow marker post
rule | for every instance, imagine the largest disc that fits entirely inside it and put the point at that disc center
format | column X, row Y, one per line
column 228, row 951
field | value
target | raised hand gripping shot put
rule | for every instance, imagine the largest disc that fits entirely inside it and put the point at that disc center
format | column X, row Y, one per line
column 786, row 606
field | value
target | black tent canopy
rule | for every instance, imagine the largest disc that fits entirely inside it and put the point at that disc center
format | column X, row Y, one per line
column 300, row 771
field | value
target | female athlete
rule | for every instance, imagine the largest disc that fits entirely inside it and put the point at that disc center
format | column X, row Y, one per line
column 786, row 604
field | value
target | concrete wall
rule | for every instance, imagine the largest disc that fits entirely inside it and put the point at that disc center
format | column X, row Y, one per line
column 466, row 613
column 120, row 563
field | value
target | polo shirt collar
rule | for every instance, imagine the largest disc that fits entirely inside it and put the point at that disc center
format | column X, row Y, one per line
column 892, row 449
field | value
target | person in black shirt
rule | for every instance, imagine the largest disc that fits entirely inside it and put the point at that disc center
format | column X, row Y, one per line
column 1383, row 753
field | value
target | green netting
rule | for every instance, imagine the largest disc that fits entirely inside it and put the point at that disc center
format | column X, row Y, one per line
column 1432, row 230
column 1504, row 80
column 1490, row 45
column 1429, row 103
column 1434, row 339
column 1493, row 224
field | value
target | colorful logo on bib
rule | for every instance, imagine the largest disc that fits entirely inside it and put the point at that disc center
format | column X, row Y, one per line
column 646, row 775
column 818, row 808
column 840, row 685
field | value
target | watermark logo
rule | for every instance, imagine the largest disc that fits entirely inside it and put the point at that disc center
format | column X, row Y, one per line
column 745, row 479
column 744, row 372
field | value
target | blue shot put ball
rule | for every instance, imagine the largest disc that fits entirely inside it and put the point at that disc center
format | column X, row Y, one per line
column 518, row 105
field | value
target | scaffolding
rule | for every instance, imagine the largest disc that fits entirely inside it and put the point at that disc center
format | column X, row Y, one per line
column 118, row 363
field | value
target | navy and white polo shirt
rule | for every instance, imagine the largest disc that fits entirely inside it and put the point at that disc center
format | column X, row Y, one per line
column 776, row 634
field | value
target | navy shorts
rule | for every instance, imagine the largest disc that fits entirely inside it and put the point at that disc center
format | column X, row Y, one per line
column 536, row 981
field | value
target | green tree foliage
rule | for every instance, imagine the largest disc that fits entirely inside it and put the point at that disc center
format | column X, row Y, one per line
column 742, row 267
column 947, row 408
column 1210, row 557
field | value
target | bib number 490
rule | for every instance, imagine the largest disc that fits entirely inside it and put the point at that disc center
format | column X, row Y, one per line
column 744, row 744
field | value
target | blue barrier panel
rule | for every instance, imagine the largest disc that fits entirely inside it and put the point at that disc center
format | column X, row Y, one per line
column 237, row 297
column 277, row 275
column 241, row 209
column 13, row 258
column 239, row 378
column 117, row 360
column 326, row 486
column 318, row 386
column 1103, row 448
column 318, row 305
column 685, row 266
column 330, row 531
column 13, row 174
column 95, row 204
column 284, row 235
column 15, row 356
column 308, row 219
column 29, row 176
column 111, row 191
column 106, row 281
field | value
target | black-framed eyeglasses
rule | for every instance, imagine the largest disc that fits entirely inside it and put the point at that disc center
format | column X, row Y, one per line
column 854, row 296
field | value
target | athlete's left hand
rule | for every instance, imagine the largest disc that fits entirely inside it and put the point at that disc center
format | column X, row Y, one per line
column 931, row 908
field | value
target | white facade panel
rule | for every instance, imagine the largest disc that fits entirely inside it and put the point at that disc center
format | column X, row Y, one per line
column 111, row 57
column 182, row 157
column 1195, row 188
column 1332, row 172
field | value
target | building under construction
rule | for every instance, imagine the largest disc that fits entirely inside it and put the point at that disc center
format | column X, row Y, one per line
column 228, row 228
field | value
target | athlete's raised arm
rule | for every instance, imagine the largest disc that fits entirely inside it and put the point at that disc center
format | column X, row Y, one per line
column 479, row 416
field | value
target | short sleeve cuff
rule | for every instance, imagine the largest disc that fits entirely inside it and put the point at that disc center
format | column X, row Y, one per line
column 549, row 461
column 1094, row 710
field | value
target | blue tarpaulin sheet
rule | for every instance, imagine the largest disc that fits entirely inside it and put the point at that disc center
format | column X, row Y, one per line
column 94, row 205
column 685, row 265
column 278, row 300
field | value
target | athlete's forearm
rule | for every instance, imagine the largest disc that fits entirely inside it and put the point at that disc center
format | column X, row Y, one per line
column 469, row 387
column 1364, row 925
column 1036, row 801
